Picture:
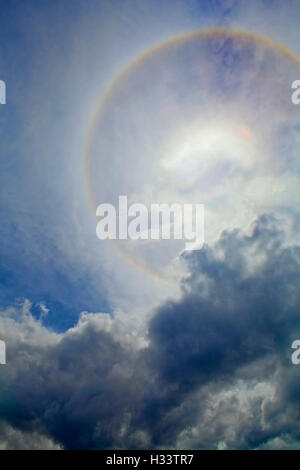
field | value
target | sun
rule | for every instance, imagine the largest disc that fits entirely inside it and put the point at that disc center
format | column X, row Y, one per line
column 208, row 152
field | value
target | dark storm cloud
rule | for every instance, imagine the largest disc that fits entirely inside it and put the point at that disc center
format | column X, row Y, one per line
column 241, row 302
column 216, row 372
column 241, row 305
column 77, row 388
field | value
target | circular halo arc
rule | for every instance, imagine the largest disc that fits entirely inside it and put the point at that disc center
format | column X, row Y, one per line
column 207, row 33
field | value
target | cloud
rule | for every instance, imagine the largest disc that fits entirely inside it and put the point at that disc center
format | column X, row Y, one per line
column 13, row 439
column 213, row 369
column 241, row 298
column 81, row 386
column 235, row 323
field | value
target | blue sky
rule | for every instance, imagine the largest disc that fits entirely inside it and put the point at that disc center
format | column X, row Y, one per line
column 100, row 352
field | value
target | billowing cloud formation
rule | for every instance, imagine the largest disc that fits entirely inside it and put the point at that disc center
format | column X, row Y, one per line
column 228, row 340
column 214, row 371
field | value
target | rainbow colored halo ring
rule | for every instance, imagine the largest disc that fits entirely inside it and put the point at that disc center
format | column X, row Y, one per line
column 129, row 69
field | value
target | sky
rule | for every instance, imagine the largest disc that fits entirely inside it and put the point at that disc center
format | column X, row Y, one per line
column 141, row 344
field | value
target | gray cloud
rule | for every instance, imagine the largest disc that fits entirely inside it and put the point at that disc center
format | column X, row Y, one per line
column 215, row 371
column 13, row 439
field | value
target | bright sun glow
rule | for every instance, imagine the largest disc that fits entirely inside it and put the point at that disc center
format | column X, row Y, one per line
column 213, row 148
